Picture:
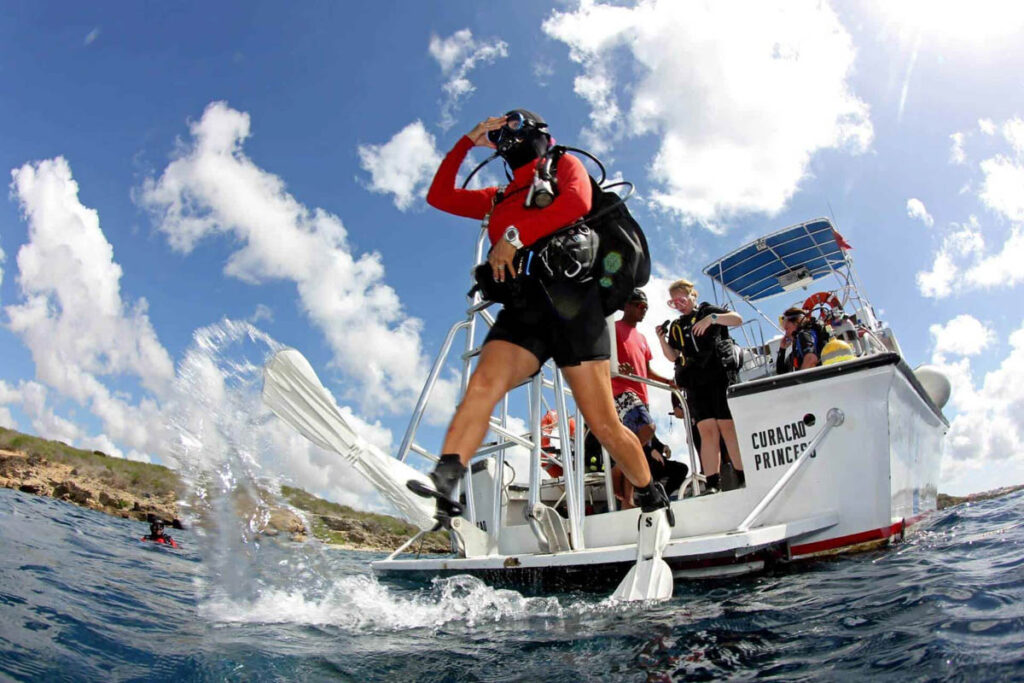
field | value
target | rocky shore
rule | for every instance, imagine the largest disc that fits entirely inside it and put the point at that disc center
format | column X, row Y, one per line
column 33, row 473
column 133, row 490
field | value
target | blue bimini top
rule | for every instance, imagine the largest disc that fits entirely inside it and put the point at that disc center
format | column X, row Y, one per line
column 783, row 260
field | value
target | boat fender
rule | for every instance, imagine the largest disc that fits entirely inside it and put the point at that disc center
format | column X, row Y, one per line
column 935, row 383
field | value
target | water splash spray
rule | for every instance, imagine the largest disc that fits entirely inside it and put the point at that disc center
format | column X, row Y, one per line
column 228, row 448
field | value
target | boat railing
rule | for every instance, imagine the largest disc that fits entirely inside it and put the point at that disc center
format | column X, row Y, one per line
column 833, row 419
column 693, row 479
column 756, row 359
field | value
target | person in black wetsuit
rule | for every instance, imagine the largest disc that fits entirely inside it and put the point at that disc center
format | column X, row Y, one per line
column 156, row 531
column 670, row 473
column 698, row 343
column 806, row 339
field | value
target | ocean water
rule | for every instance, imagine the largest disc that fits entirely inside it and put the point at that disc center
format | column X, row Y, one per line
column 81, row 598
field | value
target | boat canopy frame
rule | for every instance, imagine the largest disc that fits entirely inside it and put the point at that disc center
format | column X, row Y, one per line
column 785, row 261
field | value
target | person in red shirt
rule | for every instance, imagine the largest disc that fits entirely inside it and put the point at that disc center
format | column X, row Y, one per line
column 528, row 330
column 634, row 356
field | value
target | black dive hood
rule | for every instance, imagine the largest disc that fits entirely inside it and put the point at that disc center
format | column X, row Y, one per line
column 523, row 139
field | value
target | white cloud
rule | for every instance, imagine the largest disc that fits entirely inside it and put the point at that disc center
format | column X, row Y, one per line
column 8, row 395
column 212, row 187
column 403, row 166
column 1013, row 131
column 960, row 247
column 1002, row 269
column 988, row 430
column 262, row 312
column 938, row 282
column 739, row 106
column 964, row 335
column 543, row 71
column 957, row 155
column 3, row 257
column 1003, row 187
column 44, row 421
column 458, row 55
column 916, row 209
column 962, row 255
column 91, row 36
column 72, row 317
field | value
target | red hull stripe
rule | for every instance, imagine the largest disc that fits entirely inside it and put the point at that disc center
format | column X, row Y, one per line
column 853, row 539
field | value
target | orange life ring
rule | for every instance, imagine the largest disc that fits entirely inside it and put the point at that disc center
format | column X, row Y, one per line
column 815, row 300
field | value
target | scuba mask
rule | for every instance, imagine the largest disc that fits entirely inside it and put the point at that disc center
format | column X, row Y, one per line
column 522, row 139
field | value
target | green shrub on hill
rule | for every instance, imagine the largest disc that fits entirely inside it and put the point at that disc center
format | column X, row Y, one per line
column 139, row 477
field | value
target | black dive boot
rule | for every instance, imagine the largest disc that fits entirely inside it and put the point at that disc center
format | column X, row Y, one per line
column 712, row 484
column 653, row 497
column 445, row 477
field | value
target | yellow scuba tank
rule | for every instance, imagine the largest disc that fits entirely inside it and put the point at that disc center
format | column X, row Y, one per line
column 836, row 351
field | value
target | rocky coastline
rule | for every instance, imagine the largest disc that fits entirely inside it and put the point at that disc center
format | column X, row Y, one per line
column 134, row 490
column 33, row 473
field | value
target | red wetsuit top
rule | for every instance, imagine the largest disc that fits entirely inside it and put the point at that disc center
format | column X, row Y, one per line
column 632, row 348
column 572, row 202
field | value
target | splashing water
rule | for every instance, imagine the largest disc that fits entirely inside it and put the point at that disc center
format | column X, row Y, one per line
column 223, row 440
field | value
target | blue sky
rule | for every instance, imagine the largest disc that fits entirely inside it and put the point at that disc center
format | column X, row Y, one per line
column 173, row 166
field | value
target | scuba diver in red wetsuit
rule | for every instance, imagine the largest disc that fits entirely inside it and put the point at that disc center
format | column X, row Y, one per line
column 156, row 531
column 535, row 324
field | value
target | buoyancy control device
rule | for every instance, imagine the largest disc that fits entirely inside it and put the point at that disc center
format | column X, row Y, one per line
column 607, row 245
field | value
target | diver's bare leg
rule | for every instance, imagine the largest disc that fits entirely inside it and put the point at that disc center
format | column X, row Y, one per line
column 501, row 367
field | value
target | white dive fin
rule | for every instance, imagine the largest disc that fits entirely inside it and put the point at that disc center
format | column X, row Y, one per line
column 651, row 577
column 293, row 391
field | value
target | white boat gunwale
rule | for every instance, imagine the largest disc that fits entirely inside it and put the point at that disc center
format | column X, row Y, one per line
column 823, row 372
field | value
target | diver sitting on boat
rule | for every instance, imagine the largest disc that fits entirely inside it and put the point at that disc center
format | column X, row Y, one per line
column 537, row 322
column 670, row 473
column 807, row 337
column 699, row 344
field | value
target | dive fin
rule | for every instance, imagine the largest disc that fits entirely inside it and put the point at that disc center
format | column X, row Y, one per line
column 651, row 577
column 294, row 393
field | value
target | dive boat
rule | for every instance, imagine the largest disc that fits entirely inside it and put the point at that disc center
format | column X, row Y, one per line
column 841, row 456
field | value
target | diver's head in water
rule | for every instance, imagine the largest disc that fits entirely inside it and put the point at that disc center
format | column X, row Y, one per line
column 522, row 139
column 156, row 525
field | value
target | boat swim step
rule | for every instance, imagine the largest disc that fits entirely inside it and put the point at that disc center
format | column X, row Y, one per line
column 739, row 542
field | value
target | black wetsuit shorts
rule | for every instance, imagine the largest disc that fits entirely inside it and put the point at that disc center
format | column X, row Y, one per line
column 708, row 401
column 563, row 322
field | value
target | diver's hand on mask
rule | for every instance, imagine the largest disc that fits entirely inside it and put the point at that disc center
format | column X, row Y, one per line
column 479, row 133
column 502, row 260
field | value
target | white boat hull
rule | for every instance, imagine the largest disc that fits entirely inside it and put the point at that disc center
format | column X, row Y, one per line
column 871, row 478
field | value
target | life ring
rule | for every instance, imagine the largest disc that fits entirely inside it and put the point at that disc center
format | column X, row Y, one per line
column 816, row 300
